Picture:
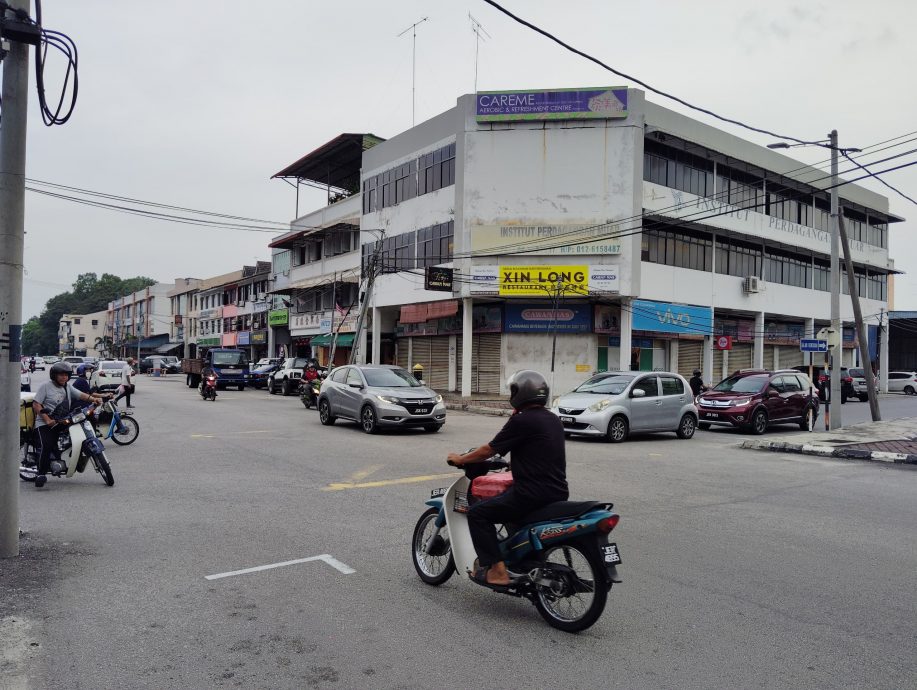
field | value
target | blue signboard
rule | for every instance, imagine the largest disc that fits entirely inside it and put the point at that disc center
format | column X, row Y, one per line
column 813, row 345
column 556, row 104
column 543, row 318
column 243, row 338
column 663, row 317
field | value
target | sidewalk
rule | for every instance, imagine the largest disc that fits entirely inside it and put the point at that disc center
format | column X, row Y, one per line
column 886, row 441
column 478, row 403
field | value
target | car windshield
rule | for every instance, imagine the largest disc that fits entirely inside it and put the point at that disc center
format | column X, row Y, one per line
column 605, row 384
column 300, row 363
column 390, row 378
column 224, row 359
column 742, row 384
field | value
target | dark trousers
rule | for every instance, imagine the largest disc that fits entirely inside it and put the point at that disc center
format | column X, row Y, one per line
column 128, row 389
column 507, row 507
column 46, row 437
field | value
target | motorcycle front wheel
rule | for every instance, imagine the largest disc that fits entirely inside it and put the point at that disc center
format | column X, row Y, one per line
column 435, row 567
column 28, row 469
column 578, row 594
column 127, row 437
column 101, row 463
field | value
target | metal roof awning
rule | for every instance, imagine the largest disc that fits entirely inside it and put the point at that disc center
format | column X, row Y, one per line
column 168, row 347
column 326, row 339
column 324, row 279
column 299, row 237
column 335, row 164
column 154, row 341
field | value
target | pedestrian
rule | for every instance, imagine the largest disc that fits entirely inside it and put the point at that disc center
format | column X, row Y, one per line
column 127, row 386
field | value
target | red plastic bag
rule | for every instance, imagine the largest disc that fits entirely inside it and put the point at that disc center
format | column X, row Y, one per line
column 491, row 485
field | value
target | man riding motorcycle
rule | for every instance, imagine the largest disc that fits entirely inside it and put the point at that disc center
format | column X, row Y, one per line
column 535, row 438
column 53, row 402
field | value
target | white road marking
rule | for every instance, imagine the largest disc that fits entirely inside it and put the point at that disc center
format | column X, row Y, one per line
column 327, row 558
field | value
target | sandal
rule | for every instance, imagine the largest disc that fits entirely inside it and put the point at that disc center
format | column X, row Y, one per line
column 479, row 576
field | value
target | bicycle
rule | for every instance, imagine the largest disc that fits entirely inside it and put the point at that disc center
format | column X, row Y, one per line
column 123, row 429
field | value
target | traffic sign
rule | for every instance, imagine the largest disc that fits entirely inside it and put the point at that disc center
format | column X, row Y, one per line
column 811, row 345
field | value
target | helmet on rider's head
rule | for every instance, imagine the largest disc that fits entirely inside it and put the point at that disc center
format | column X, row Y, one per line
column 60, row 368
column 527, row 387
column 81, row 370
column 697, row 372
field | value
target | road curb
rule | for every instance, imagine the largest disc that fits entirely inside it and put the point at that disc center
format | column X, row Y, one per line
column 474, row 409
column 831, row 452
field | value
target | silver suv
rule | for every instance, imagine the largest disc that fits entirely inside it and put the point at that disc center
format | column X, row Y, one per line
column 377, row 396
column 614, row 404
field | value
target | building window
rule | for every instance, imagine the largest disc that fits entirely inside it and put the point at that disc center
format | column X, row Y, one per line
column 737, row 258
column 82, row 338
column 371, row 194
column 678, row 169
column 436, row 170
column 679, row 247
column 739, row 188
column 787, row 269
column 406, row 181
column 877, row 287
column 76, row 322
column 435, row 244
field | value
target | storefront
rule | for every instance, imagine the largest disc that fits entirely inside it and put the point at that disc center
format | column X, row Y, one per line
column 661, row 327
column 277, row 321
column 323, row 345
column 259, row 344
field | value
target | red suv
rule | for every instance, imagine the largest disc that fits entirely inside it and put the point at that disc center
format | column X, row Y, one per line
column 755, row 399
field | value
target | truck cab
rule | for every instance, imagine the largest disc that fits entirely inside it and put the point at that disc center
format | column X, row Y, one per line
column 230, row 364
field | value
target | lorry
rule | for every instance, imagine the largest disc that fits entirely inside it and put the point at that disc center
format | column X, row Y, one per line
column 230, row 364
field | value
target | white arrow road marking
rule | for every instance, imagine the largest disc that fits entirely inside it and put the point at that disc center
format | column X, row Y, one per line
column 327, row 558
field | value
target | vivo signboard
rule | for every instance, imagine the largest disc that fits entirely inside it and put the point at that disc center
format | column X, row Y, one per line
column 663, row 317
column 557, row 104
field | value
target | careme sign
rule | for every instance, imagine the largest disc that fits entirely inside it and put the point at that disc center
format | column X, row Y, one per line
column 556, row 104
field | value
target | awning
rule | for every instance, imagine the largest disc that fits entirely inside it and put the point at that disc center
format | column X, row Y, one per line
column 154, row 341
column 336, row 163
column 325, row 340
column 326, row 279
column 419, row 313
column 168, row 347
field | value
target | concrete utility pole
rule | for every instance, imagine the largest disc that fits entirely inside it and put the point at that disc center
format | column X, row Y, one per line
column 837, row 350
column 861, row 329
column 12, row 236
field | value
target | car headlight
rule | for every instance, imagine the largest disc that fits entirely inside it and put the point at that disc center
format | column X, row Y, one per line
column 555, row 402
column 389, row 399
column 740, row 403
column 439, row 398
column 599, row 406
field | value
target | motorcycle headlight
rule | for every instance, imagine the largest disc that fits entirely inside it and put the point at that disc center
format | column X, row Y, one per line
column 388, row 399
column 600, row 405
column 77, row 418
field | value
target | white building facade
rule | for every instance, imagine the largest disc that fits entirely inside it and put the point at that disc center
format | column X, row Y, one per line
column 590, row 230
column 82, row 334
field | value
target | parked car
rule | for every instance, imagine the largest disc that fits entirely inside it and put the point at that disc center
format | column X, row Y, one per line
column 286, row 378
column 108, row 376
column 615, row 404
column 858, row 377
column 168, row 362
column 258, row 377
column 903, row 381
column 755, row 399
column 74, row 362
column 25, row 381
column 379, row 396
column 822, row 380
column 49, row 359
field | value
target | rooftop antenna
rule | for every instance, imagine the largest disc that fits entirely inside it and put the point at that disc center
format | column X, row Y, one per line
column 480, row 32
column 413, row 28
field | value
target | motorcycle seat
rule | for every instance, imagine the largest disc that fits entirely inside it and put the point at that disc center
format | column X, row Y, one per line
column 563, row 510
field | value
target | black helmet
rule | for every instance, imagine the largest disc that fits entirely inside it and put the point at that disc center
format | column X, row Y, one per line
column 697, row 372
column 60, row 368
column 527, row 387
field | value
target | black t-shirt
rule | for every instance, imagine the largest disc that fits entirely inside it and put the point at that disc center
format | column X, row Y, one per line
column 696, row 383
column 535, row 439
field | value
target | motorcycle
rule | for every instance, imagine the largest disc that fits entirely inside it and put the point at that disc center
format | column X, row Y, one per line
column 560, row 558
column 74, row 450
column 208, row 387
column 308, row 392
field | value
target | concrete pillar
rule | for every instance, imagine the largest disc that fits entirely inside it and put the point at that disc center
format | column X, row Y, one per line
column 758, row 354
column 627, row 322
column 710, row 377
column 673, row 355
column 467, row 313
column 377, row 336
column 271, row 343
column 883, row 354
column 453, row 364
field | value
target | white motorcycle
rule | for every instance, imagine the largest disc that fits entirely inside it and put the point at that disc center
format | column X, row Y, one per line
column 74, row 450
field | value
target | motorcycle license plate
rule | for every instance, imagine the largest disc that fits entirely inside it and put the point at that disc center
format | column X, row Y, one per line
column 610, row 554
column 436, row 493
column 567, row 420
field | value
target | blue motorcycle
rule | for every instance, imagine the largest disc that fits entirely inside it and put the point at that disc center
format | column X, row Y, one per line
column 560, row 557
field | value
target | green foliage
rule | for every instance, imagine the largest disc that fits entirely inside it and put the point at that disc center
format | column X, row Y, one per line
column 90, row 293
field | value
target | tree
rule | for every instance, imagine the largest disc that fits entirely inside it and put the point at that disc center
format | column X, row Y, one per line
column 31, row 335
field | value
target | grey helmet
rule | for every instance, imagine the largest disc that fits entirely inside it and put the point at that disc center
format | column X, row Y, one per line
column 60, row 368
column 528, row 387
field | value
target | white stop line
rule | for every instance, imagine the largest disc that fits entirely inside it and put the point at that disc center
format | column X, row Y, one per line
column 327, row 558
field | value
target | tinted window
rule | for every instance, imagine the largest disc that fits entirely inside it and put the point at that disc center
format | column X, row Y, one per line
column 648, row 386
column 671, row 385
column 223, row 359
column 742, row 384
column 790, row 384
column 804, row 383
column 777, row 384
column 390, row 378
column 897, row 375
column 339, row 376
column 857, row 372
column 613, row 384
column 353, row 376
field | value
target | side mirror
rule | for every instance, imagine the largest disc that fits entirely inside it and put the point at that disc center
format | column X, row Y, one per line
column 355, row 385
column 638, row 393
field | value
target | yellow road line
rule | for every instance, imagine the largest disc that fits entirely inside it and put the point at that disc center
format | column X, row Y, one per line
column 231, row 433
column 363, row 474
column 340, row 486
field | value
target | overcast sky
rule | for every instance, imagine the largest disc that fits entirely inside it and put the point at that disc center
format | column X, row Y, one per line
column 198, row 103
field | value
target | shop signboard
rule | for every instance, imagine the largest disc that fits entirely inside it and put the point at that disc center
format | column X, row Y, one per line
column 608, row 319
column 259, row 337
column 548, row 237
column 278, row 317
column 665, row 317
column 304, row 322
column 258, row 307
column 544, row 281
column 582, row 103
column 438, row 278
column 491, row 280
column 243, row 338
column 208, row 342
column 776, row 333
column 544, row 318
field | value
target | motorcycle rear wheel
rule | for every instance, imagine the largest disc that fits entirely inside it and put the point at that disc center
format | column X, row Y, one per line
column 28, row 470
column 434, row 570
column 572, row 611
column 101, row 463
column 133, row 431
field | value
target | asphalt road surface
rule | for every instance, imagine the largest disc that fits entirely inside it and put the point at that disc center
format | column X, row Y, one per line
column 741, row 568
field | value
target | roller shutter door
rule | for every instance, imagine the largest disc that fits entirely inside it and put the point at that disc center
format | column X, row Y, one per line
column 790, row 356
column 690, row 357
column 401, row 358
column 485, row 362
column 438, row 378
column 740, row 357
column 769, row 357
column 717, row 367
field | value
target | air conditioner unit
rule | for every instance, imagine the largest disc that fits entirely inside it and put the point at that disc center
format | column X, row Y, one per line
column 240, row 303
column 752, row 284
column 261, row 296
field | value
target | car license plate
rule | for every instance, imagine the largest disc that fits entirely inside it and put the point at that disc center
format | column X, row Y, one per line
column 436, row 493
column 610, row 554
column 711, row 415
column 567, row 420
column 422, row 410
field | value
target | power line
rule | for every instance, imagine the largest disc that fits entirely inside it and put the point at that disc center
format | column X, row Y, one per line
column 863, row 167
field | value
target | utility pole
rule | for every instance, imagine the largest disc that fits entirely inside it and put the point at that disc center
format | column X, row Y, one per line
column 861, row 329
column 834, row 395
column 12, row 238
column 373, row 268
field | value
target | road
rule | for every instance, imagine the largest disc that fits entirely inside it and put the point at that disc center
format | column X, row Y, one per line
column 741, row 568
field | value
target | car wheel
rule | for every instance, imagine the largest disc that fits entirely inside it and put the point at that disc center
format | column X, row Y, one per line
column 368, row 420
column 863, row 398
column 687, row 426
column 270, row 387
column 703, row 426
column 324, row 412
column 909, row 390
column 759, row 422
column 286, row 387
column 617, row 429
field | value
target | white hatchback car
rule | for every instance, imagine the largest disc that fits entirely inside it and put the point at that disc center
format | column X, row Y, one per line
column 108, row 375
column 902, row 382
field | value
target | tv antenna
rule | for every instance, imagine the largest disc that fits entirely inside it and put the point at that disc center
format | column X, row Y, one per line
column 413, row 29
column 480, row 34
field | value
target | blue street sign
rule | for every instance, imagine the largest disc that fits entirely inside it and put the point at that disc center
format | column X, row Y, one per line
column 809, row 345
